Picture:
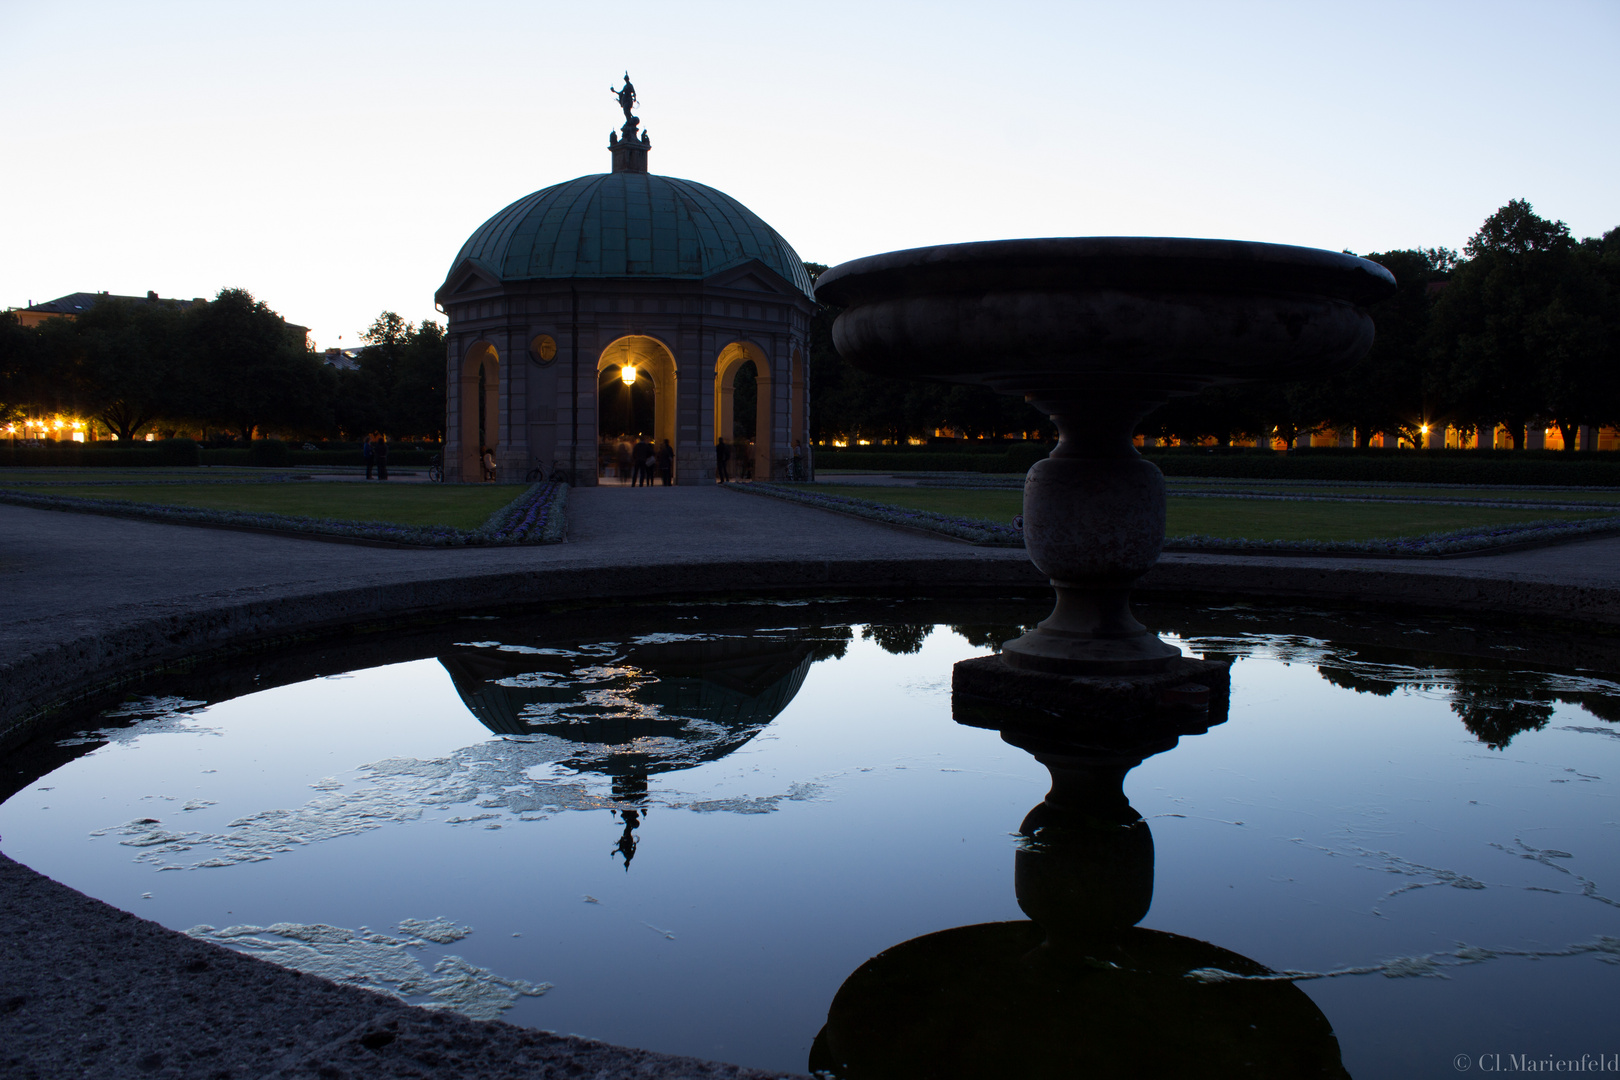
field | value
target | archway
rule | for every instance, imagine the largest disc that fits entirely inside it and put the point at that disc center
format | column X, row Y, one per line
column 480, row 392
column 726, row 369
column 643, row 406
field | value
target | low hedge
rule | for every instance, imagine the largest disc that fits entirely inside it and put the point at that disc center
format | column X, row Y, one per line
column 1521, row 468
column 1524, row 468
column 106, row 454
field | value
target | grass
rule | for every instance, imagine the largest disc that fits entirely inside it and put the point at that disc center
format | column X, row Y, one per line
column 459, row 506
column 1232, row 518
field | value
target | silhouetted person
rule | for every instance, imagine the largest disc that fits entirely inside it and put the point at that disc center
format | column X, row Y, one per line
column 624, row 459
column 666, row 462
column 643, row 454
column 368, row 453
column 796, row 466
column 722, row 458
column 379, row 446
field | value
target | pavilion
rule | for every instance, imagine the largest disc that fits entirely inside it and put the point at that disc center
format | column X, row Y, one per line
column 622, row 303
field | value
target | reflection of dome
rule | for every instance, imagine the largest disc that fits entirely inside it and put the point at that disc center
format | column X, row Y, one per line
column 654, row 706
column 627, row 224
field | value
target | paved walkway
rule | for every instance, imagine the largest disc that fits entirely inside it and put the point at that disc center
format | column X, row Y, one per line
column 87, row 990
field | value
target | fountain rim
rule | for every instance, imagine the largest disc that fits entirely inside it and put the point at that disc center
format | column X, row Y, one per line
column 1154, row 264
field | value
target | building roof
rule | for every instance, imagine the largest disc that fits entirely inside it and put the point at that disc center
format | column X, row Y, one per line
column 627, row 224
column 79, row 302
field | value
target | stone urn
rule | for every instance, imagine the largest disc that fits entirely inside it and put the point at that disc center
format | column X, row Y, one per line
column 1097, row 332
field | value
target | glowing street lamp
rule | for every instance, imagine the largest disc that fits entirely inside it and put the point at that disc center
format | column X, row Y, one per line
column 628, row 374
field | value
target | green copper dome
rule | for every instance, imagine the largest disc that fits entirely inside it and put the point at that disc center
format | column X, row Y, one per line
column 627, row 224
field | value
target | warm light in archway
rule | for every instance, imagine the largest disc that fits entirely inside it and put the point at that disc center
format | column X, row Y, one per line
column 629, row 374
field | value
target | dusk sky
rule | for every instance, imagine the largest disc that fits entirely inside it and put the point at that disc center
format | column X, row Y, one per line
column 331, row 157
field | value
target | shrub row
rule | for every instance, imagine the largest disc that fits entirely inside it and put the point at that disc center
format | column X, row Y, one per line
column 167, row 452
column 1410, row 467
column 1526, row 468
column 265, row 453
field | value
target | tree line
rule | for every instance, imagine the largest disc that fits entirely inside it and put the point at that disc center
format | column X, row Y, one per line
column 1521, row 329
column 230, row 365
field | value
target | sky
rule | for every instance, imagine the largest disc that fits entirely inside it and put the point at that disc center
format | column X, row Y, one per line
column 332, row 157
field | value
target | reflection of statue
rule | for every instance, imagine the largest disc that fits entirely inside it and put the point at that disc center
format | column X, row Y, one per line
column 1078, row 989
column 627, row 840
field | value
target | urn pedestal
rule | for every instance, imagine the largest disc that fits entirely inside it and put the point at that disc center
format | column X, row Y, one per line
column 1097, row 332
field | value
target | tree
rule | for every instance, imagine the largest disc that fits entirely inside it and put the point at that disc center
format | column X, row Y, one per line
column 123, row 362
column 398, row 387
column 250, row 370
column 1513, row 336
column 1390, row 390
column 24, row 370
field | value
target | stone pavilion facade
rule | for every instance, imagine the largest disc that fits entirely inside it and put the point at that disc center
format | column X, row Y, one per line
column 550, row 300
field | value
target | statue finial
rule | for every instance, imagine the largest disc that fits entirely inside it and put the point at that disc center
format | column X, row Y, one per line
column 630, row 152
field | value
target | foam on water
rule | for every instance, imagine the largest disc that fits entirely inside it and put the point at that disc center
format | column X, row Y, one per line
column 382, row 962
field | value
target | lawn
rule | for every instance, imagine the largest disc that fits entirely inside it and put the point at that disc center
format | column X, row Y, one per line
column 1232, row 518
column 457, row 505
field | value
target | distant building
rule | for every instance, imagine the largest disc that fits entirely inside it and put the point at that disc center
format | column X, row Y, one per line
column 343, row 359
column 75, row 304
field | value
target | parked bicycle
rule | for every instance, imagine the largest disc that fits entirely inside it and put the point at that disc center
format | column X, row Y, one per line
column 436, row 469
column 560, row 473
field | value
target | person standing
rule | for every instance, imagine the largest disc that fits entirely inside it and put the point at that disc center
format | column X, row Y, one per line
column 722, row 457
column 644, row 454
column 666, row 462
column 368, row 454
column 796, row 466
column 379, row 447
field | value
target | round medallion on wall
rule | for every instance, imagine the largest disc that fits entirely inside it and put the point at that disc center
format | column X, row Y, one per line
column 543, row 349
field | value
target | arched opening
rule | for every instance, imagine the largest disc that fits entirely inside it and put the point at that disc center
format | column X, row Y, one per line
column 480, row 393
column 629, row 410
column 750, row 434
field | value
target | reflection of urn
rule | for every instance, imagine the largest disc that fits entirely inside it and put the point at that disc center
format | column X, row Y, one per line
column 1079, row 990
column 1097, row 332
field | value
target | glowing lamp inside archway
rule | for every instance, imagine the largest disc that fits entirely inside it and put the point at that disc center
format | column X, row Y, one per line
column 628, row 374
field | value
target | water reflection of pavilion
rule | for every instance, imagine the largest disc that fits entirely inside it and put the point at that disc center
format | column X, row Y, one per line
column 660, row 703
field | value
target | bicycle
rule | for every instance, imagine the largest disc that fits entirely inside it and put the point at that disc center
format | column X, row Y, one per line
column 436, row 469
column 560, row 474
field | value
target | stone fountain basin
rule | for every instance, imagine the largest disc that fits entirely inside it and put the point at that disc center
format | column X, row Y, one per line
column 1160, row 313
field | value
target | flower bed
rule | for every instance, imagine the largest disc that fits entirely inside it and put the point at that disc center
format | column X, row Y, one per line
column 534, row 517
column 1430, row 545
